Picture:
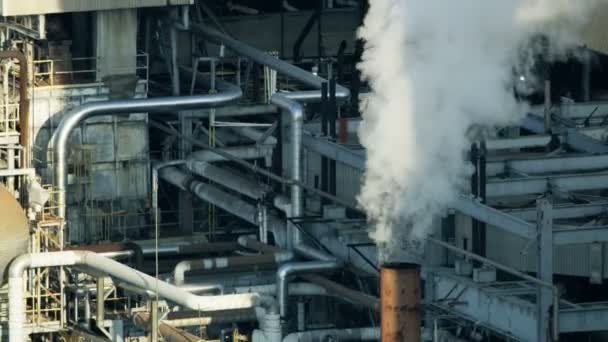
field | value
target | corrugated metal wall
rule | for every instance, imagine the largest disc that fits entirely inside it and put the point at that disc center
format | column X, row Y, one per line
column 120, row 151
column 28, row 7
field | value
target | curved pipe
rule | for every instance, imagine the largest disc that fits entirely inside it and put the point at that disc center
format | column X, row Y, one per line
column 322, row 263
column 357, row 334
column 73, row 118
column 287, row 102
column 229, row 179
column 116, row 270
column 227, row 262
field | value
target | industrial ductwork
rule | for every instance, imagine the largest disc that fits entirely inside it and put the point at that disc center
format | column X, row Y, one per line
column 72, row 119
column 118, row 271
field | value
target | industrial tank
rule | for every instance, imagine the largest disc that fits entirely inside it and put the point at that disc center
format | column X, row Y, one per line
column 13, row 230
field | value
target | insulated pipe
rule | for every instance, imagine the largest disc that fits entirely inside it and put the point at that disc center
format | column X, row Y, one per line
column 227, row 262
column 228, row 178
column 72, row 119
column 252, row 243
column 287, row 102
column 240, row 152
column 400, row 302
column 356, row 334
column 24, row 104
column 118, row 271
column 296, row 112
column 323, row 263
column 193, row 318
column 211, row 194
column 221, row 199
column 255, row 135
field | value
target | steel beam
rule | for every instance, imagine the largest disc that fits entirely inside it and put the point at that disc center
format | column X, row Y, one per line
column 544, row 267
column 472, row 207
column 548, row 165
column 586, row 318
column 539, row 185
column 580, row 235
column 568, row 211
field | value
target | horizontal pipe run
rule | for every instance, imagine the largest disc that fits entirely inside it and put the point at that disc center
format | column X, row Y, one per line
column 252, row 243
column 193, row 318
column 120, row 273
column 228, row 262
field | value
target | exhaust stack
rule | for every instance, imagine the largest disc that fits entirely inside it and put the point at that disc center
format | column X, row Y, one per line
column 400, row 302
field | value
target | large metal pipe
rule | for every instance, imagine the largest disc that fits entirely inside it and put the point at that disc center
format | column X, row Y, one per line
column 228, row 262
column 221, row 199
column 193, row 318
column 211, row 194
column 287, row 102
column 228, row 178
column 400, row 302
column 72, row 119
column 321, row 262
column 119, row 272
column 24, row 104
column 356, row 334
column 240, row 152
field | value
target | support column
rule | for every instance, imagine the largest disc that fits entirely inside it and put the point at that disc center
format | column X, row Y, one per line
column 544, row 224
column 400, row 302
column 154, row 320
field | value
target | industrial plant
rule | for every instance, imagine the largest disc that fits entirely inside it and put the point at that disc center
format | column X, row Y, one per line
column 303, row 170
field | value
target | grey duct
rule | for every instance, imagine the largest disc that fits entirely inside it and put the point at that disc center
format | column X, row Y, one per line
column 116, row 270
column 288, row 102
column 72, row 119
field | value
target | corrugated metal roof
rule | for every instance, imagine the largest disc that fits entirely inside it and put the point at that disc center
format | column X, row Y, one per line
column 30, row 7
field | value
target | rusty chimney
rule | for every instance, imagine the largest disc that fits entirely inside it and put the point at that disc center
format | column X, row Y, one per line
column 400, row 302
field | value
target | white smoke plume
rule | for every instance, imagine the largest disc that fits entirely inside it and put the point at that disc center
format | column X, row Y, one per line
column 436, row 69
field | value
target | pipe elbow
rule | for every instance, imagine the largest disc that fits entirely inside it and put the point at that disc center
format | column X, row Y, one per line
column 19, row 265
column 284, row 271
column 179, row 272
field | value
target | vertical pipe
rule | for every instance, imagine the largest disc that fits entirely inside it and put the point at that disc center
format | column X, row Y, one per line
column 333, row 117
column 325, row 117
column 100, row 317
column 400, row 302
column 154, row 320
column 548, row 105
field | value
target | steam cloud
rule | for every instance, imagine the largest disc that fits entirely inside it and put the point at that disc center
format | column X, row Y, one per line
column 438, row 68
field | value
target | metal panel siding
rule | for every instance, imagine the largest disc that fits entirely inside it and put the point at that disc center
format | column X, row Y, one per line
column 28, row 7
column 519, row 253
